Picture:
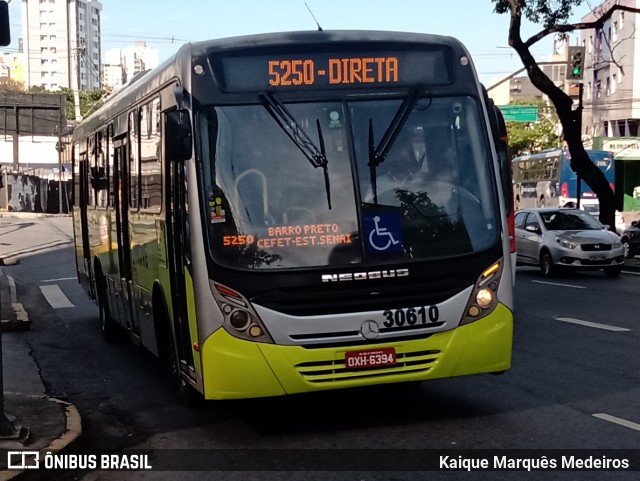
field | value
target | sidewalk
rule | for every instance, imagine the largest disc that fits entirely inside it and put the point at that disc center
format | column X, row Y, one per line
column 44, row 423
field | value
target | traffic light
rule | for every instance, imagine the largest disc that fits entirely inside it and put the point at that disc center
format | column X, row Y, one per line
column 5, row 35
column 575, row 63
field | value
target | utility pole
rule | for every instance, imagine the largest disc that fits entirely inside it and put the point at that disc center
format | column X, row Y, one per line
column 75, row 86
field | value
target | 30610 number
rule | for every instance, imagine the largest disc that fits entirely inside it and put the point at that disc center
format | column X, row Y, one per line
column 411, row 316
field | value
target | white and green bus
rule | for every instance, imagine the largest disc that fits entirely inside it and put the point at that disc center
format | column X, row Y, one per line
column 244, row 211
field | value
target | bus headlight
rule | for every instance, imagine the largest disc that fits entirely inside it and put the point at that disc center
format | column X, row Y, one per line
column 484, row 297
column 240, row 319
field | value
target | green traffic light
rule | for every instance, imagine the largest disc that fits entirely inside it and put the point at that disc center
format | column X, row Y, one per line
column 576, row 71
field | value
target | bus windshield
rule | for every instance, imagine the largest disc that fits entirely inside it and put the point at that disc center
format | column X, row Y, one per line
column 431, row 196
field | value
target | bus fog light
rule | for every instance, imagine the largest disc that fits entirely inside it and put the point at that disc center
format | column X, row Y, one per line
column 239, row 320
column 484, row 298
column 255, row 331
column 474, row 311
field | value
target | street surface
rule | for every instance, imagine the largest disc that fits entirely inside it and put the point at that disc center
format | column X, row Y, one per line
column 574, row 382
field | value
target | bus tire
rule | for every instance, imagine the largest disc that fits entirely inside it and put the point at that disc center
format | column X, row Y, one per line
column 168, row 355
column 109, row 328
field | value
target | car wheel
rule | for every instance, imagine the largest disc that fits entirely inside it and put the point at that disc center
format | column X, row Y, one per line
column 546, row 264
column 613, row 271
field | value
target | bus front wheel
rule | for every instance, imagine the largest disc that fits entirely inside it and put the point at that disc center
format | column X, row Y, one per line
column 168, row 355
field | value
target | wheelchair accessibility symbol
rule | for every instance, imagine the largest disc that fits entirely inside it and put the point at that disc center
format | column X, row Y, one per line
column 383, row 233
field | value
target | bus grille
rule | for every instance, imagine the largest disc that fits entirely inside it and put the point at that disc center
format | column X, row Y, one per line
column 318, row 372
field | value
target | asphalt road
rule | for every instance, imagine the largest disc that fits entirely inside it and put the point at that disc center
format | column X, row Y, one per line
column 574, row 384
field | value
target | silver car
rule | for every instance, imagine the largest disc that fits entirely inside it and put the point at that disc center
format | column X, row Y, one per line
column 571, row 238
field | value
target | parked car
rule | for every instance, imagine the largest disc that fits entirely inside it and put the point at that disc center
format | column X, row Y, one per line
column 554, row 238
column 593, row 208
column 630, row 239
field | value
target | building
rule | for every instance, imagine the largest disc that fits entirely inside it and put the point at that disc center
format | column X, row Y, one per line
column 62, row 43
column 12, row 67
column 612, row 95
column 123, row 64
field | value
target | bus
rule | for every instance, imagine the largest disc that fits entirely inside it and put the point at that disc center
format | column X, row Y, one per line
column 230, row 214
column 545, row 179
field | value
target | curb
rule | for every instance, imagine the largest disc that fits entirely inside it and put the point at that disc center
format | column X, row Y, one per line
column 72, row 432
column 13, row 258
column 21, row 321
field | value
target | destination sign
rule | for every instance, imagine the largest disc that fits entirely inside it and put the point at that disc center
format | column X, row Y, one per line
column 359, row 69
column 292, row 236
column 347, row 70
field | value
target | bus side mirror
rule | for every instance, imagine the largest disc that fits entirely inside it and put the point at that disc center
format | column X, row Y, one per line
column 178, row 135
column 5, row 34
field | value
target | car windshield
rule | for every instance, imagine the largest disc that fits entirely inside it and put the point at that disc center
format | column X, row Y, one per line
column 574, row 220
column 270, row 205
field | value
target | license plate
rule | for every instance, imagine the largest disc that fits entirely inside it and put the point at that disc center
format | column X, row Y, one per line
column 597, row 258
column 385, row 356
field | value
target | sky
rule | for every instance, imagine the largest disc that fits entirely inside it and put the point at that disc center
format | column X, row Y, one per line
column 167, row 24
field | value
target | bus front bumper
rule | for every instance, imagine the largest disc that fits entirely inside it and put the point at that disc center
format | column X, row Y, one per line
column 234, row 368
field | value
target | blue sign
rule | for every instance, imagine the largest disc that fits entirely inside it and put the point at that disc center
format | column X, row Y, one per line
column 383, row 232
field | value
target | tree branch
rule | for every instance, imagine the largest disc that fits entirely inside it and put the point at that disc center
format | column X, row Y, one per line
column 598, row 23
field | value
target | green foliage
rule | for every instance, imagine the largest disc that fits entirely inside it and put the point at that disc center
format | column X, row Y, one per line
column 545, row 12
column 534, row 136
column 90, row 101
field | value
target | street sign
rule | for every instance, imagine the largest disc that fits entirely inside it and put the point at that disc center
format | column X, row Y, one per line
column 519, row 113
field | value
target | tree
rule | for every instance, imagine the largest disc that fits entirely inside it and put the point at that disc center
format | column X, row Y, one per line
column 90, row 101
column 527, row 137
column 553, row 15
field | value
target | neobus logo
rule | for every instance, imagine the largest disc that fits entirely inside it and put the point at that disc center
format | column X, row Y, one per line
column 362, row 276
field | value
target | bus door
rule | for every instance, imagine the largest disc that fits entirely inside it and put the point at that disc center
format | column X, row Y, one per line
column 121, row 206
column 179, row 258
column 82, row 202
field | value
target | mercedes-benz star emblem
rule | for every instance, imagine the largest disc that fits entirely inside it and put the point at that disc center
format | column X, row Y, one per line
column 369, row 329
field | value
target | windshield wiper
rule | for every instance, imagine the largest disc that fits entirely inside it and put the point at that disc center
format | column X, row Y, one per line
column 287, row 122
column 378, row 153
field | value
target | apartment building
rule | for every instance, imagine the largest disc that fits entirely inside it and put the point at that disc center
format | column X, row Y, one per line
column 62, row 43
column 122, row 64
column 612, row 95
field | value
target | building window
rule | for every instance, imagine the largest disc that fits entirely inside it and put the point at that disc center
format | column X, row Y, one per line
column 620, row 75
column 614, row 82
column 621, row 20
column 607, row 91
column 615, row 32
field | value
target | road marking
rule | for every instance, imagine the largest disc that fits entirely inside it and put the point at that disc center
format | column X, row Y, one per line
column 55, row 297
column 631, row 273
column 592, row 324
column 558, row 284
column 620, row 421
column 60, row 279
